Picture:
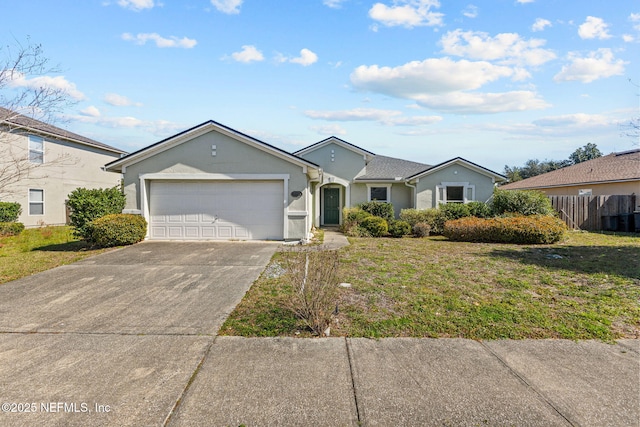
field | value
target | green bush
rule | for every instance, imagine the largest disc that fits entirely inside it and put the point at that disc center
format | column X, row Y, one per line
column 399, row 228
column 533, row 229
column 9, row 211
column 118, row 230
column 523, row 202
column 479, row 209
column 11, row 228
column 381, row 209
column 352, row 219
column 375, row 226
column 434, row 217
column 455, row 210
column 421, row 229
column 88, row 205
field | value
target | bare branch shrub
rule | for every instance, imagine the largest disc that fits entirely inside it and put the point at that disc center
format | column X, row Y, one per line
column 315, row 291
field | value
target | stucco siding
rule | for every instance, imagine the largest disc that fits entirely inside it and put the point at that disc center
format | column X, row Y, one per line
column 455, row 173
column 342, row 163
column 67, row 166
column 615, row 188
column 231, row 157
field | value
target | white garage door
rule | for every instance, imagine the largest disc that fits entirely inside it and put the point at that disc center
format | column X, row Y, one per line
column 217, row 210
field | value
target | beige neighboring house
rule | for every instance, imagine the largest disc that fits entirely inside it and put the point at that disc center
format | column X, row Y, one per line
column 613, row 174
column 45, row 163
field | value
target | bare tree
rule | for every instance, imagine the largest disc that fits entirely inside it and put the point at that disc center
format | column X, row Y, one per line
column 26, row 102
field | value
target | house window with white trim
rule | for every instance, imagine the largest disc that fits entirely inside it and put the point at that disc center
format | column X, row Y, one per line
column 36, row 202
column 36, row 149
column 455, row 192
column 379, row 193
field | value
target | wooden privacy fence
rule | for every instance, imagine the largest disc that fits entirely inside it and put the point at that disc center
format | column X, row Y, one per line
column 586, row 212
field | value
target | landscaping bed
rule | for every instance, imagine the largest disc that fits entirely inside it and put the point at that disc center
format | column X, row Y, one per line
column 586, row 287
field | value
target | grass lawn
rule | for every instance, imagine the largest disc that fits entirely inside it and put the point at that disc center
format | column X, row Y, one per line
column 586, row 287
column 39, row 249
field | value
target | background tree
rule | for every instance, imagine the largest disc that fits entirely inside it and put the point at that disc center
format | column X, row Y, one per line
column 582, row 154
column 533, row 167
column 25, row 93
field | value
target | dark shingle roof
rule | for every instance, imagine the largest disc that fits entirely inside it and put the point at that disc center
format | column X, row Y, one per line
column 389, row 168
column 623, row 166
column 16, row 120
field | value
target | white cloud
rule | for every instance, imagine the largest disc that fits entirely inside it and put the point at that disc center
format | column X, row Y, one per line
column 231, row 7
column 433, row 75
column 483, row 103
column 332, row 129
column 525, row 1
column 386, row 117
column 593, row 28
column 509, row 48
column 573, row 120
column 306, row 58
column 136, row 5
column 119, row 100
column 57, row 83
column 628, row 38
column 407, row 13
column 156, row 127
column 248, row 54
column 90, row 111
column 143, row 38
column 597, row 65
column 334, row 4
column 540, row 24
column 470, row 11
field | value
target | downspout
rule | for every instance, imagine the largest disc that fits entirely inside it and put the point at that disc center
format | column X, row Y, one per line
column 414, row 194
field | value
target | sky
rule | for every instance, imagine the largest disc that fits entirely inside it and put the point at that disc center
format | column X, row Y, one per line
column 496, row 82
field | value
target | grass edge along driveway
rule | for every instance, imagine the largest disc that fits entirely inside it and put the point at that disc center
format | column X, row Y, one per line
column 586, row 287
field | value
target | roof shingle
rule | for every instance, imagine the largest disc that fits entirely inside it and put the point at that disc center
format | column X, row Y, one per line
column 613, row 167
column 390, row 168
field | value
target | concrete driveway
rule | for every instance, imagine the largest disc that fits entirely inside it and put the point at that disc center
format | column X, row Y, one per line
column 115, row 339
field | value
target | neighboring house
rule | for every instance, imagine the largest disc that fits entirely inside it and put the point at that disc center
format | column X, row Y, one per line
column 613, row 174
column 44, row 163
column 213, row 182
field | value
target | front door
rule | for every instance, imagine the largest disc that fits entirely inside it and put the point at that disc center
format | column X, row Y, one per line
column 331, row 206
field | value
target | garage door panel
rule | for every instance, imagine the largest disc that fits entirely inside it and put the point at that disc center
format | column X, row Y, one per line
column 217, row 210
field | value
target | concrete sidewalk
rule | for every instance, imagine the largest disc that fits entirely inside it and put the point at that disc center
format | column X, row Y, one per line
column 413, row 382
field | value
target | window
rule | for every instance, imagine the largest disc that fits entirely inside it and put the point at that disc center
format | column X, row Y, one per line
column 585, row 192
column 379, row 193
column 455, row 194
column 36, row 202
column 36, row 149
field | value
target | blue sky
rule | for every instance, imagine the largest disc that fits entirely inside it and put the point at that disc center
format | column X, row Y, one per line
column 494, row 81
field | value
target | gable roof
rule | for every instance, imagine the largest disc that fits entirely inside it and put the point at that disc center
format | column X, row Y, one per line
column 334, row 140
column 464, row 162
column 19, row 121
column 198, row 130
column 614, row 167
column 383, row 168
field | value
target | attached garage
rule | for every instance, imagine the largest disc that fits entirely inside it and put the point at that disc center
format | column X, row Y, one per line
column 211, row 182
column 216, row 210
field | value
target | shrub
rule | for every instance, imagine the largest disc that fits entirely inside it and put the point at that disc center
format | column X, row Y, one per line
column 421, row 229
column 90, row 204
column 534, row 229
column 479, row 209
column 351, row 222
column 315, row 292
column 523, row 202
column 399, row 228
column 11, row 228
column 9, row 211
column 455, row 210
column 381, row 209
column 375, row 226
column 434, row 217
column 118, row 230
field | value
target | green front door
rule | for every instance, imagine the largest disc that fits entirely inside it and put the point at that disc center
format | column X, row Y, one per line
column 331, row 206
